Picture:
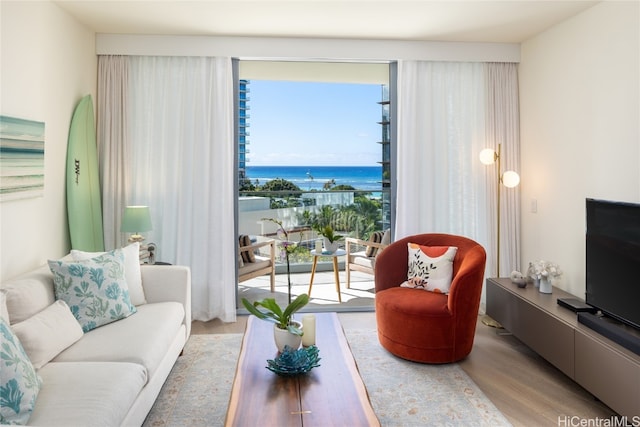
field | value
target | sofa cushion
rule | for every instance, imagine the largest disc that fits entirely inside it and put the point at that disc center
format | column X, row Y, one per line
column 95, row 289
column 143, row 338
column 386, row 237
column 376, row 237
column 361, row 258
column 45, row 334
column 29, row 294
column 430, row 267
column 4, row 313
column 131, row 269
column 19, row 382
column 99, row 394
column 259, row 263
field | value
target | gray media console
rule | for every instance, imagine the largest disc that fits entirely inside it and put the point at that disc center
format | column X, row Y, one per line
column 606, row 369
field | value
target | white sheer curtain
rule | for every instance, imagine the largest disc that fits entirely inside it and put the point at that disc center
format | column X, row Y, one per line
column 443, row 111
column 113, row 143
column 182, row 155
column 503, row 127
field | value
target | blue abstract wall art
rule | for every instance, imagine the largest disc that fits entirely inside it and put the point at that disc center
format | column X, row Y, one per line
column 21, row 158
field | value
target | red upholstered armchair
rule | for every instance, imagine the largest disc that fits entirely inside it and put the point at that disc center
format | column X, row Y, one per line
column 424, row 326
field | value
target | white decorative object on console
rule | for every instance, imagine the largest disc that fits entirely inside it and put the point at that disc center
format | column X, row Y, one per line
column 545, row 286
column 543, row 273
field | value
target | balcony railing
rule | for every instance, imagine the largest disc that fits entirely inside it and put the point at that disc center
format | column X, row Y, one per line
column 352, row 213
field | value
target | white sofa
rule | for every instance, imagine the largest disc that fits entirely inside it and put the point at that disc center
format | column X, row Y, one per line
column 112, row 374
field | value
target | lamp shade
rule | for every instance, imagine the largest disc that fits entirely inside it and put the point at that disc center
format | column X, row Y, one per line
column 487, row 156
column 510, row 179
column 136, row 219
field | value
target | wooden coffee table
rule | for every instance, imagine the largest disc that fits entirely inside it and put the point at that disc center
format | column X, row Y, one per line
column 331, row 394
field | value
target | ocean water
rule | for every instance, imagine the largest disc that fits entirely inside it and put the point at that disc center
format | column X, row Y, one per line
column 314, row 177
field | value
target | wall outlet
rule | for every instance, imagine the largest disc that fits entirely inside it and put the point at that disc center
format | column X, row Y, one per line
column 534, row 205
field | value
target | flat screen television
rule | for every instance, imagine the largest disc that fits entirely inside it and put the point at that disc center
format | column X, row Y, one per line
column 613, row 259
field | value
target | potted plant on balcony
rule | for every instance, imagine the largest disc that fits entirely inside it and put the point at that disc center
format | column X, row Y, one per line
column 331, row 240
column 286, row 331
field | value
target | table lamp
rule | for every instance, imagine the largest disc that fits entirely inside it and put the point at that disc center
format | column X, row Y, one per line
column 136, row 219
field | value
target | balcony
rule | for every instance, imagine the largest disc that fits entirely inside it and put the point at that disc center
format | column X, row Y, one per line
column 351, row 213
column 360, row 297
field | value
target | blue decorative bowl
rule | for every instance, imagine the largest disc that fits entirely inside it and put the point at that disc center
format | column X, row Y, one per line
column 294, row 362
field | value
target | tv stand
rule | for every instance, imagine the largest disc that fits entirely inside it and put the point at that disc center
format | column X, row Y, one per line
column 603, row 367
column 616, row 331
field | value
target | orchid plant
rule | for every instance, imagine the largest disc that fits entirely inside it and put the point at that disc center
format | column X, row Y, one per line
column 274, row 313
column 287, row 247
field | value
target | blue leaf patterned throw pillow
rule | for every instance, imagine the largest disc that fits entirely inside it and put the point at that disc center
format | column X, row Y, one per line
column 19, row 383
column 95, row 289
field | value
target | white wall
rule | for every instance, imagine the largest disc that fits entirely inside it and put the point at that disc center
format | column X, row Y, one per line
column 275, row 48
column 579, row 117
column 48, row 63
column 580, row 130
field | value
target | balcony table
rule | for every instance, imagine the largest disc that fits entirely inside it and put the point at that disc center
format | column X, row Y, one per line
column 334, row 255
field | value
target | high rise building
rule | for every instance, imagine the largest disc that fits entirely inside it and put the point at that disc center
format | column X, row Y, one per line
column 243, row 133
column 385, row 142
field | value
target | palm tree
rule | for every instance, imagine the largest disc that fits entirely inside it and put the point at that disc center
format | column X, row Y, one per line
column 327, row 185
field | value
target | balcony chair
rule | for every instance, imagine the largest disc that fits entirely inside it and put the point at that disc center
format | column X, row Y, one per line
column 252, row 264
column 363, row 260
column 424, row 326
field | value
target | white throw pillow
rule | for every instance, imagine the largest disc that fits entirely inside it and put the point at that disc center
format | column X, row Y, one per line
column 95, row 290
column 4, row 313
column 430, row 267
column 29, row 294
column 131, row 270
column 19, row 382
column 46, row 334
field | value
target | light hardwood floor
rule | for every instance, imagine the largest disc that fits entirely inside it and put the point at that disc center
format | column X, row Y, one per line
column 522, row 385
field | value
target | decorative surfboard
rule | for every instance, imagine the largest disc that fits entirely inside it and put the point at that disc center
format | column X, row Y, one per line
column 84, row 207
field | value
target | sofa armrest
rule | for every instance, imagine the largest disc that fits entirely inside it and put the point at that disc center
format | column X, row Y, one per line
column 162, row 283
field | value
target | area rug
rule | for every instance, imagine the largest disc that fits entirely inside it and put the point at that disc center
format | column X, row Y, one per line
column 402, row 393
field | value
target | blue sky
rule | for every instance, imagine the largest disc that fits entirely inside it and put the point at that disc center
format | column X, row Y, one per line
column 299, row 123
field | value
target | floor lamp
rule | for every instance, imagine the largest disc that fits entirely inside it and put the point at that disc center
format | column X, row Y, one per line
column 509, row 179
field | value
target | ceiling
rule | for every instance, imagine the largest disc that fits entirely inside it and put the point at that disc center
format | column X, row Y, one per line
column 447, row 20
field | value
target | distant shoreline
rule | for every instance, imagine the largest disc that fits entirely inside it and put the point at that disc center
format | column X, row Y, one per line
column 366, row 178
column 313, row 166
